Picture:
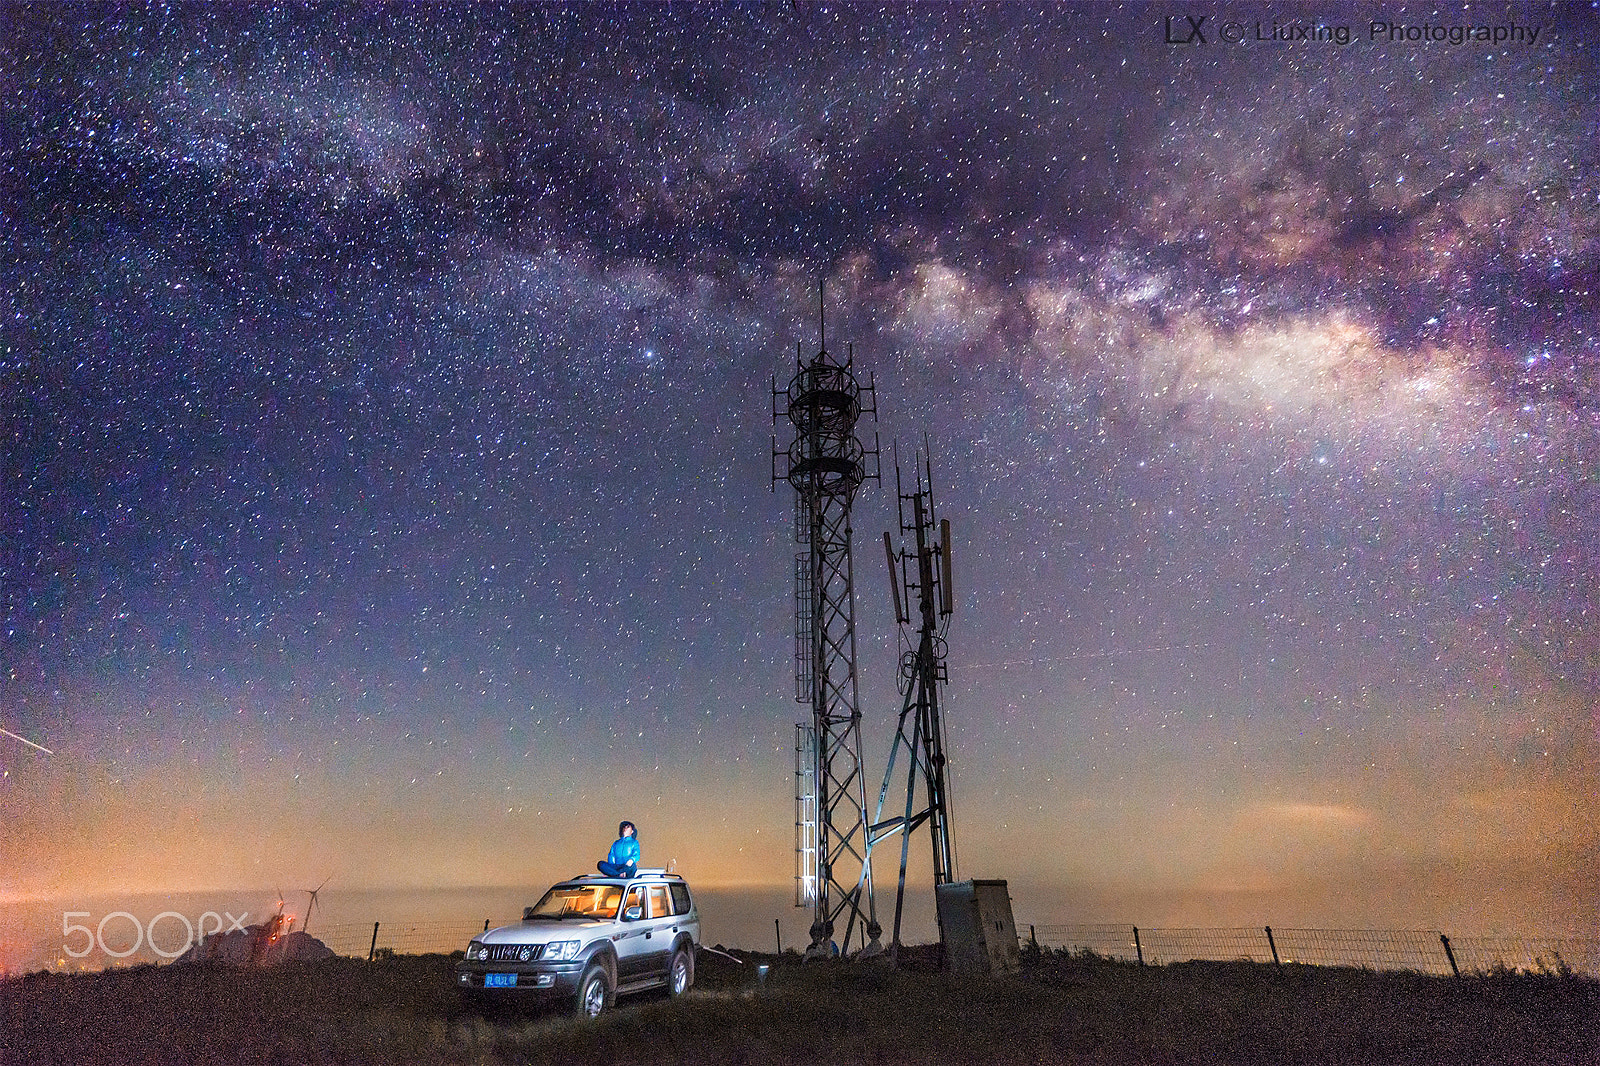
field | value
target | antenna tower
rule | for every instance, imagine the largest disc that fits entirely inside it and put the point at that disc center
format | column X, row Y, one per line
column 919, row 575
column 826, row 463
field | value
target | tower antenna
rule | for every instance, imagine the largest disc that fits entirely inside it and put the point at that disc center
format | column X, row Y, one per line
column 822, row 316
column 923, row 571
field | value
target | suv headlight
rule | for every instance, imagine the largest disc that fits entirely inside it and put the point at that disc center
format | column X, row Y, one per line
column 476, row 950
column 563, row 949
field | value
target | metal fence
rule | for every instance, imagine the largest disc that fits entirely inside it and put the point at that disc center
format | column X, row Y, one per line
column 401, row 938
column 1425, row 951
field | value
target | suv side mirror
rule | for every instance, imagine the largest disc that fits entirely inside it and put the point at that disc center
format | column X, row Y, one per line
column 527, row 914
column 633, row 914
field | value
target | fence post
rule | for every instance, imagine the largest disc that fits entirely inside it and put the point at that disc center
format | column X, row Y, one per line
column 1033, row 938
column 1137, row 948
column 1449, row 954
column 486, row 925
column 778, row 930
column 373, row 950
column 1273, row 945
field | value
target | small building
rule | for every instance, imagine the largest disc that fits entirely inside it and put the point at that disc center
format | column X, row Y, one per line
column 979, row 933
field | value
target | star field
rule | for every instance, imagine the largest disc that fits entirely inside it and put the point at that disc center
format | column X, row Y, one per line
column 384, row 432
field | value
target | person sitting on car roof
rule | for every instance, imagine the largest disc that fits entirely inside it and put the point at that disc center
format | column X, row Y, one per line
column 623, row 858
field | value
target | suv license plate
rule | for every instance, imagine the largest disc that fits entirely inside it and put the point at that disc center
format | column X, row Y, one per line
column 499, row 980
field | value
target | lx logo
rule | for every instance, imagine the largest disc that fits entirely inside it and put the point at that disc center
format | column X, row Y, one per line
column 1192, row 34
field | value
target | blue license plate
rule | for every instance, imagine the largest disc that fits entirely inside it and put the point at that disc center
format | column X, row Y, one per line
column 499, row 980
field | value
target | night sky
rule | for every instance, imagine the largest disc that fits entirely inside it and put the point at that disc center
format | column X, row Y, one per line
column 385, row 441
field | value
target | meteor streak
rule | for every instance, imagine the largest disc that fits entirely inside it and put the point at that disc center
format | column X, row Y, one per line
column 1090, row 655
column 26, row 741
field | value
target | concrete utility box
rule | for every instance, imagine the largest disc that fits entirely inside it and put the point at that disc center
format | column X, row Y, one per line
column 980, row 936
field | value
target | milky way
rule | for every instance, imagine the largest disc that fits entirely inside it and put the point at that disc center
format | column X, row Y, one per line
column 384, row 398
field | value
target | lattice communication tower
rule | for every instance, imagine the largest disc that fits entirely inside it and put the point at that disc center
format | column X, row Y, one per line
column 919, row 582
column 826, row 463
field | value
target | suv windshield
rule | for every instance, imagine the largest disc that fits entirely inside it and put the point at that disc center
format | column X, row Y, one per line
column 579, row 901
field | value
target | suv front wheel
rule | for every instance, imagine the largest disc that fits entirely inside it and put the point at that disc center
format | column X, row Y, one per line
column 593, row 992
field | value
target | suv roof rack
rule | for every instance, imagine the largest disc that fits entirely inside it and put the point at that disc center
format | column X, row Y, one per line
column 643, row 871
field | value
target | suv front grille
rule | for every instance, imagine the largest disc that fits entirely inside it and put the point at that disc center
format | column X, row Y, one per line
column 513, row 952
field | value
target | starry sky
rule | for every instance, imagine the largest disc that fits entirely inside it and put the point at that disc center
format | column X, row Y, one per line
column 385, row 439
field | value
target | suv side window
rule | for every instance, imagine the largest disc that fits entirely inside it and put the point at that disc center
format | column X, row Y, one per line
column 658, row 902
column 680, row 899
column 635, row 899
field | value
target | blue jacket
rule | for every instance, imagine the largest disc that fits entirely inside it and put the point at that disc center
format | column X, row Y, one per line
column 625, row 852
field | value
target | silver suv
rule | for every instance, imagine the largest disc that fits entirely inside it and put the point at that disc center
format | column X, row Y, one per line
column 590, row 939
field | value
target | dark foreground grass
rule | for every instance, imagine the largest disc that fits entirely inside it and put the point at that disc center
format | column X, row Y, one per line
column 1061, row 1009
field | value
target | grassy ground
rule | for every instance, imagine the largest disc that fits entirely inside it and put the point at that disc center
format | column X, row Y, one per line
column 1061, row 1009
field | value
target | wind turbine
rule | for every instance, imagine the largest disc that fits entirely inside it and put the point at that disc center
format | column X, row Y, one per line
column 305, row 925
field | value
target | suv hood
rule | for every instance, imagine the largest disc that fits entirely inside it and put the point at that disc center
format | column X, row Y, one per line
column 541, row 931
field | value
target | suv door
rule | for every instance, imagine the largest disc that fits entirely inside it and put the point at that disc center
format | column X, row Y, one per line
column 683, row 906
column 659, row 934
column 629, row 937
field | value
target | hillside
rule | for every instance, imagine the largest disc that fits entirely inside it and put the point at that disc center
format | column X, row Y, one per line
column 1061, row 1009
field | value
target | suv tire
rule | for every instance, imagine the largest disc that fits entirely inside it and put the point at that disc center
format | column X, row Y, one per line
column 594, row 993
column 680, row 975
